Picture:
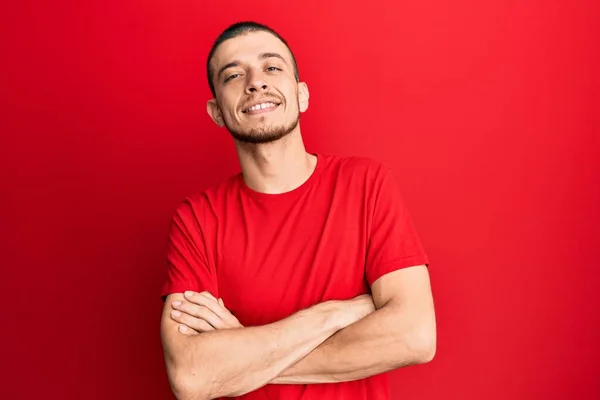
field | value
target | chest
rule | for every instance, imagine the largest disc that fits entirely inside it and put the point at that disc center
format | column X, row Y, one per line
column 274, row 262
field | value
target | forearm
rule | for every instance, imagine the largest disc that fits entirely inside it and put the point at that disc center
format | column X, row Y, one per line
column 382, row 341
column 233, row 362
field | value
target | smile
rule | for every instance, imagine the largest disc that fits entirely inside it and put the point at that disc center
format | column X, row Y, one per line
column 262, row 107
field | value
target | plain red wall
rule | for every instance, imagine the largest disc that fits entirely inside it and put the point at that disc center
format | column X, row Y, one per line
column 487, row 110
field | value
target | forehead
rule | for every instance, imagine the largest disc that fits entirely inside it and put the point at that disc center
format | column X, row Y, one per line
column 248, row 47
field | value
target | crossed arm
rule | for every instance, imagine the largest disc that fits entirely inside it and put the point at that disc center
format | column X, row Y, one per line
column 330, row 342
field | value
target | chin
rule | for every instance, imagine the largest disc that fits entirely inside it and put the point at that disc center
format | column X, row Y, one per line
column 263, row 135
column 259, row 132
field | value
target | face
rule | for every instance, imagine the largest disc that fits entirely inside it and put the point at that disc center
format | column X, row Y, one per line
column 257, row 96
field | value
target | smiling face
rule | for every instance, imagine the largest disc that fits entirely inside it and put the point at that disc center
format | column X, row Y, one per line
column 257, row 96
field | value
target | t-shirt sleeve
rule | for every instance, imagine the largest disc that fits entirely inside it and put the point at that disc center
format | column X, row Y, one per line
column 188, row 266
column 393, row 239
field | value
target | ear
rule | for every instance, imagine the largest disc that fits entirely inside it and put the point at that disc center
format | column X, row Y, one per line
column 303, row 96
column 212, row 108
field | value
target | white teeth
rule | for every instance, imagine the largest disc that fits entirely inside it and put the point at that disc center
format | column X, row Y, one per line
column 261, row 106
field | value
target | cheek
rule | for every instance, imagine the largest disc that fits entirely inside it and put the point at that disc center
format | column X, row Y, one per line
column 228, row 109
column 296, row 99
column 291, row 97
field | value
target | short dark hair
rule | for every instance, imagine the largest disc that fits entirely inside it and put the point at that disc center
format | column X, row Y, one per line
column 238, row 29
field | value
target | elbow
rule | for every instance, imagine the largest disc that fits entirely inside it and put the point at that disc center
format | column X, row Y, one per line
column 422, row 345
column 184, row 387
column 185, row 382
column 426, row 353
column 187, row 385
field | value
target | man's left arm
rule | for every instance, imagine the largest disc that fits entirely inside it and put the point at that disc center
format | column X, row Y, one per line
column 401, row 332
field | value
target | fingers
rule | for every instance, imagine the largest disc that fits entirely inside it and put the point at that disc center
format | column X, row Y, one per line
column 190, row 313
column 211, row 303
column 205, row 293
column 232, row 320
column 220, row 301
column 189, row 323
column 187, row 330
column 202, row 312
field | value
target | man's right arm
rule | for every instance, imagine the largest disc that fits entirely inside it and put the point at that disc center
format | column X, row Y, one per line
column 233, row 362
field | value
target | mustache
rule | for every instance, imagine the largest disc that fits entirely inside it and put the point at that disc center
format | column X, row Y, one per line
column 262, row 98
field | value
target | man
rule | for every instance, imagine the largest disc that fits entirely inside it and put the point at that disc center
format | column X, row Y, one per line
column 302, row 277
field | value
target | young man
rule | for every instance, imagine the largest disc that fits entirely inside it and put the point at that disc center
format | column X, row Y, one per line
column 302, row 277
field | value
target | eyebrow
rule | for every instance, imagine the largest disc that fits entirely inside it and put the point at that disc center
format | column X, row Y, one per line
column 261, row 56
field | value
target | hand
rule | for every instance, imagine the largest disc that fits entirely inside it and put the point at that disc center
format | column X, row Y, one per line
column 360, row 307
column 202, row 312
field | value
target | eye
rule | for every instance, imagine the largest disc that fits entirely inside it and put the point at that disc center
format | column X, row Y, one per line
column 231, row 77
column 273, row 69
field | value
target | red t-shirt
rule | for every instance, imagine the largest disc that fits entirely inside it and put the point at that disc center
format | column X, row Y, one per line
column 271, row 255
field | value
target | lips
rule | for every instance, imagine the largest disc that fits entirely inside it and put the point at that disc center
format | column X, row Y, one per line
column 261, row 105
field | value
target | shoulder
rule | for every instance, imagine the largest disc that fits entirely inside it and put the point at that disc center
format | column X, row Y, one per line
column 207, row 201
column 356, row 168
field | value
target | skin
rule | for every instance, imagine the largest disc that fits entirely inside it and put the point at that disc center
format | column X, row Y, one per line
column 270, row 148
column 246, row 74
column 208, row 352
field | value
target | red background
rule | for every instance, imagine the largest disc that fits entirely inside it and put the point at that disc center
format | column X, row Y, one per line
column 487, row 110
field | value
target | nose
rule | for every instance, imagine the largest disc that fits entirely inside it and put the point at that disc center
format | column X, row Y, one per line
column 256, row 82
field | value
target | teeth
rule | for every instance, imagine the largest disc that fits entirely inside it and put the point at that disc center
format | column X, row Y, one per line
column 261, row 106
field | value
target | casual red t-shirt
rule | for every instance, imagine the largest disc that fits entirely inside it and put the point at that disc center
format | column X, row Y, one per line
column 271, row 255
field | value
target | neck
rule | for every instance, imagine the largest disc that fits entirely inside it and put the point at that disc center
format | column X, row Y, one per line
column 276, row 167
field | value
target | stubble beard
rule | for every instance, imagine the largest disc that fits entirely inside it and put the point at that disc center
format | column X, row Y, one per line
column 265, row 134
